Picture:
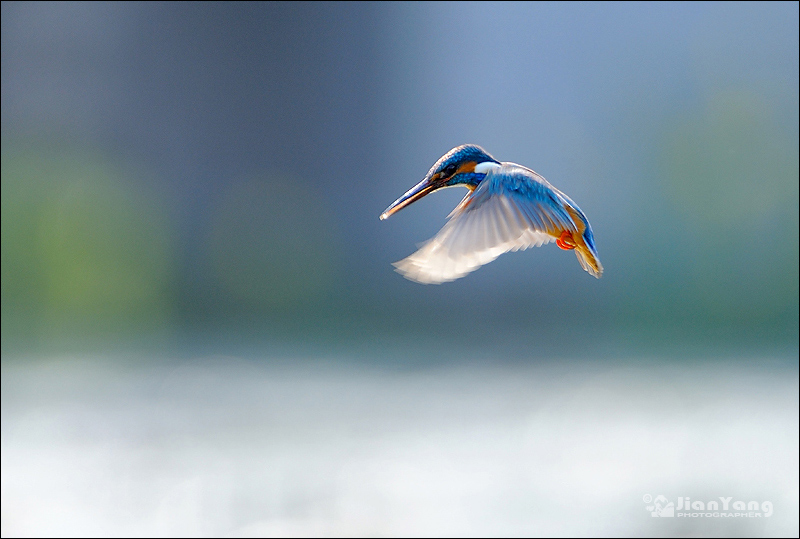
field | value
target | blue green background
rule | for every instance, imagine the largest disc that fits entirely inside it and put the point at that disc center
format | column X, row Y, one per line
column 188, row 181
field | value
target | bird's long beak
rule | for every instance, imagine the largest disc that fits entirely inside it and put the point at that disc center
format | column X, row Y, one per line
column 415, row 193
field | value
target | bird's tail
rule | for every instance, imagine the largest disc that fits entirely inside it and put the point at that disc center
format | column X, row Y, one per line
column 584, row 243
column 588, row 260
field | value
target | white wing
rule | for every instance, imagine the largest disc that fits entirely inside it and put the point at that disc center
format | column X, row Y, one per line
column 513, row 208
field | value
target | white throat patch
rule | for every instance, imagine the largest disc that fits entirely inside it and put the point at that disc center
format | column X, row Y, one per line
column 486, row 167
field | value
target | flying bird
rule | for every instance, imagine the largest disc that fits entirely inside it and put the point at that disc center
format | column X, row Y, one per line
column 509, row 207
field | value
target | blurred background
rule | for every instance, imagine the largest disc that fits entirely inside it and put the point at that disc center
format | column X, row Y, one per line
column 202, row 333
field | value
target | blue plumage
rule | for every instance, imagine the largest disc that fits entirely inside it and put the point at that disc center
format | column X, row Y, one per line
column 509, row 207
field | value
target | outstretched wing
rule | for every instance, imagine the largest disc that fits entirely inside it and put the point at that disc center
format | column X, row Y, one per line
column 513, row 208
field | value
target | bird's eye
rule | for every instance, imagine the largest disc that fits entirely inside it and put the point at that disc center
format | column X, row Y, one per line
column 448, row 171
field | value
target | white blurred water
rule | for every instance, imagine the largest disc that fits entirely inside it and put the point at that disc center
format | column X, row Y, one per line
column 225, row 446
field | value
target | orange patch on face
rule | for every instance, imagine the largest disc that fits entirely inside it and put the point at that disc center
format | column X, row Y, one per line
column 467, row 167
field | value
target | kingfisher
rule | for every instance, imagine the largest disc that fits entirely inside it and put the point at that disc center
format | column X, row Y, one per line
column 508, row 208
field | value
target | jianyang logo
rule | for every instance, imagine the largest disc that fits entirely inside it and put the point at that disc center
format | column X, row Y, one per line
column 661, row 506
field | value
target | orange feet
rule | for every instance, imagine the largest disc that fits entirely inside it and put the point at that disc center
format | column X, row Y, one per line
column 565, row 241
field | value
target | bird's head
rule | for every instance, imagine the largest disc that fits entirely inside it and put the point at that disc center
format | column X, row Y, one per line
column 465, row 165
